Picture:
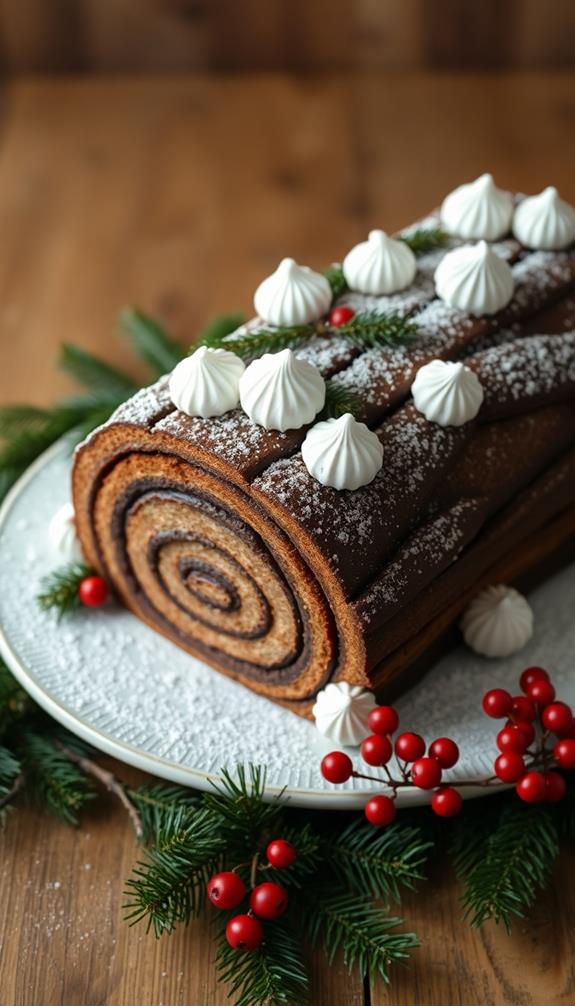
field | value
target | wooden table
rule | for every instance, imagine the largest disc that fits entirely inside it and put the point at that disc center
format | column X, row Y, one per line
column 180, row 194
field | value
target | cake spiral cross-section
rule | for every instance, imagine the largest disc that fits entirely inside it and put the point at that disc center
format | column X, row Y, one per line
column 215, row 533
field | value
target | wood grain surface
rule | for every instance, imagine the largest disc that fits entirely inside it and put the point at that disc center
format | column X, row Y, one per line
column 180, row 194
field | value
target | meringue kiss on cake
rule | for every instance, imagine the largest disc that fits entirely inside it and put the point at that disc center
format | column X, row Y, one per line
column 280, row 392
column 380, row 265
column 292, row 295
column 206, row 383
column 477, row 210
column 545, row 221
column 342, row 453
column 447, row 393
column 474, row 279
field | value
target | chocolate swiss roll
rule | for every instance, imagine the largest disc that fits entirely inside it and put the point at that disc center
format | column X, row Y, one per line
column 214, row 532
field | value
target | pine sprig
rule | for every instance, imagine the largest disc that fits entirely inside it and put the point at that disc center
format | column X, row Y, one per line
column 151, row 341
column 370, row 329
column 504, row 868
column 364, row 932
column 156, row 804
column 53, row 782
column 95, row 374
column 338, row 401
column 377, row 864
column 14, row 701
column 255, row 343
column 60, row 589
column 168, row 887
column 336, row 279
column 274, row 975
column 425, row 239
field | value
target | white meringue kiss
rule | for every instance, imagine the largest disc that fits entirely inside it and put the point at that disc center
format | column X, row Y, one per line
column 545, row 221
column 342, row 453
column 477, row 210
column 380, row 265
column 474, row 279
column 447, row 393
column 341, row 712
column 206, row 383
column 281, row 392
column 498, row 622
column 292, row 295
column 62, row 534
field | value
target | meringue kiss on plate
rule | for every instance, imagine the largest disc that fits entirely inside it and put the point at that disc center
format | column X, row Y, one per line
column 292, row 295
column 341, row 712
column 281, row 392
column 474, row 279
column 545, row 221
column 498, row 622
column 447, row 393
column 381, row 265
column 477, row 210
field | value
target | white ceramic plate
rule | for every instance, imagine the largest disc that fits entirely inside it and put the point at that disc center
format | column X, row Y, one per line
column 113, row 681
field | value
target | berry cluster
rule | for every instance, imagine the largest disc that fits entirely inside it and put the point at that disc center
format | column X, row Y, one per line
column 524, row 757
column 267, row 901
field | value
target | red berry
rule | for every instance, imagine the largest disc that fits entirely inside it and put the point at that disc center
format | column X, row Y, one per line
column 527, row 729
column 509, row 767
column 243, row 932
column 512, row 739
column 280, row 853
column 409, row 746
column 445, row 751
column 376, row 750
column 268, row 900
column 426, row 773
column 93, row 591
column 497, row 703
column 380, row 810
column 446, row 802
column 383, row 720
column 541, row 692
column 564, row 753
column 523, row 709
column 558, row 718
column 340, row 316
column 336, row 767
column 531, row 787
column 555, row 787
column 530, row 675
column 226, row 890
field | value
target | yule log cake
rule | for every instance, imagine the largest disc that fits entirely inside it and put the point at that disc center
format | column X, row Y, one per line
column 238, row 512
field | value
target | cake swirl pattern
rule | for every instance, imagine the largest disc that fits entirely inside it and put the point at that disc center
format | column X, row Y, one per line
column 214, row 532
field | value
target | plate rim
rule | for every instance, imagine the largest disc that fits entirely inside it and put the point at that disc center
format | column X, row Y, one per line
column 153, row 764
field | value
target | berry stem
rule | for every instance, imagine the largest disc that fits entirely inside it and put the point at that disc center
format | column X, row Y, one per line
column 254, row 870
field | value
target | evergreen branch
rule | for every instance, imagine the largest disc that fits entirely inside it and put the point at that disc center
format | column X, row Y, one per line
column 338, row 401
column 377, row 864
column 156, row 803
column 256, row 343
column 215, row 333
column 310, row 855
column 53, row 782
column 336, row 279
column 60, row 589
column 95, row 374
column 107, row 779
column 11, row 780
column 364, row 933
column 425, row 239
column 151, row 341
column 168, row 887
column 373, row 329
column 14, row 701
column 503, row 870
column 238, row 805
column 273, row 975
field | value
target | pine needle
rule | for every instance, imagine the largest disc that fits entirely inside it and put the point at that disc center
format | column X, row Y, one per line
column 95, row 374
column 371, row 329
column 156, row 803
column 254, row 344
column 52, row 781
column 272, row 975
column 60, row 590
column 338, row 401
column 150, row 341
column 376, row 863
column 425, row 239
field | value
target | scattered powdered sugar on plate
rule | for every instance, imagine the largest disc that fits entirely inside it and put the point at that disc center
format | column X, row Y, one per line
column 134, row 694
